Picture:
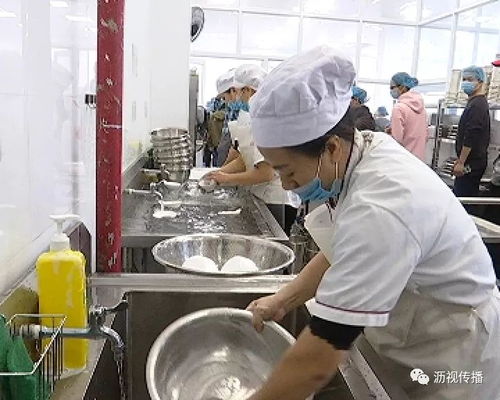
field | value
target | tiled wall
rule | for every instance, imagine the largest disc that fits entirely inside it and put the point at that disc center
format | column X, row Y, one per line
column 47, row 134
column 156, row 71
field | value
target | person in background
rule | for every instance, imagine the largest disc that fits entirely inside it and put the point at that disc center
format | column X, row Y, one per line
column 249, row 168
column 216, row 108
column 381, row 120
column 363, row 119
column 409, row 119
column 473, row 137
column 232, row 109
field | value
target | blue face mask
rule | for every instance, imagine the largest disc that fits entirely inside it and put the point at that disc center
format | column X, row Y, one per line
column 313, row 191
column 395, row 93
column 238, row 105
column 468, row 87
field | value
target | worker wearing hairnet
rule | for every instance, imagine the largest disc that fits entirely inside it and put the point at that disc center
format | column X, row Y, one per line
column 249, row 168
column 409, row 119
column 400, row 258
column 363, row 119
column 473, row 137
column 381, row 120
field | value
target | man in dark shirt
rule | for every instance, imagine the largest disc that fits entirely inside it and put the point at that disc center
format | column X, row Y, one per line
column 473, row 136
column 363, row 119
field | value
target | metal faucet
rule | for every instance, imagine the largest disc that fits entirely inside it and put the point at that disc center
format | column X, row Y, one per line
column 94, row 330
column 163, row 173
column 153, row 189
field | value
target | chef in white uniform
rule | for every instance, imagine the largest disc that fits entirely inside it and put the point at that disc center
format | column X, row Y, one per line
column 400, row 258
column 250, row 169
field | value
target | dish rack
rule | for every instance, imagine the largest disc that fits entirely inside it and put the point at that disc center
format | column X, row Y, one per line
column 46, row 353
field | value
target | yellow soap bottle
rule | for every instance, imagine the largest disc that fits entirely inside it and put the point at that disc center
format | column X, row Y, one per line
column 62, row 290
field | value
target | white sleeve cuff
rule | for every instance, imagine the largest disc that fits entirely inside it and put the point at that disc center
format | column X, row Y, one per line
column 348, row 317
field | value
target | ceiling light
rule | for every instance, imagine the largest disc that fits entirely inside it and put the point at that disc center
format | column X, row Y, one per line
column 6, row 14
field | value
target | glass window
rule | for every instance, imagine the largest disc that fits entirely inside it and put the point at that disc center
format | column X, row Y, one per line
column 290, row 6
column 433, row 53
column 433, row 8
column 467, row 19
column 464, row 49
column 269, row 35
column 334, row 33
column 219, row 33
column 378, row 95
column 233, row 4
column 445, row 23
column 332, row 8
column 489, row 16
column 486, row 49
column 405, row 10
column 465, row 3
column 385, row 49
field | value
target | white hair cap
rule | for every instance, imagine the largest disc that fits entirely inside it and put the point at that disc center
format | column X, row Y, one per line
column 226, row 81
column 250, row 75
column 302, row 99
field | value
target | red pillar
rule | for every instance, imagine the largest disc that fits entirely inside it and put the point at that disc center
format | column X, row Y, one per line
column 109, row 134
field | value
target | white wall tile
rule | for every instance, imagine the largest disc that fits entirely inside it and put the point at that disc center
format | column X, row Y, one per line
column 170, row 44
column 47, row 135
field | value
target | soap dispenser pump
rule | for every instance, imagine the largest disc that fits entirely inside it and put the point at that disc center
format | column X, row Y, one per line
column 62, row 290
column 60, row 241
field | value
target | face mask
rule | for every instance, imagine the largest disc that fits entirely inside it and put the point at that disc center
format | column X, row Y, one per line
column 239, row 105
column 313, row 191
column 395, row 93
column 468, row 87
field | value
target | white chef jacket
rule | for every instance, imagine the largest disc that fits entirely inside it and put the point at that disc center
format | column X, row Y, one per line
column 398, row 226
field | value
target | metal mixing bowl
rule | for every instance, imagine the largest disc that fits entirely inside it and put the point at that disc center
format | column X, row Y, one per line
column 270, row 257
column 213, row 354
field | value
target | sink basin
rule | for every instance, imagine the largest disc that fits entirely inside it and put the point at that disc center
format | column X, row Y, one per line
column 214, row 354
column 150, row 313
column 156, row 301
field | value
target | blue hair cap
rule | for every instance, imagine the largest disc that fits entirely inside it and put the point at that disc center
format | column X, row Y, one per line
column 404, row 79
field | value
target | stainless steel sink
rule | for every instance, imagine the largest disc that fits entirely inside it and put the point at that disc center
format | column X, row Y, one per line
column 198, row 212
column 155, row 301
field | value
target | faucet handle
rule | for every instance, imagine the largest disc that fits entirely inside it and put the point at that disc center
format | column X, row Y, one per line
column 121, row 306
column 97, row 313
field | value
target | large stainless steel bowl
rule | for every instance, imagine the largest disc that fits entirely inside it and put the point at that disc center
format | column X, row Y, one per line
column 213, row 354
column 270, row 257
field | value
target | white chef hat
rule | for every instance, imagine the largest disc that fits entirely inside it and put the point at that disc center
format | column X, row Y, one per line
column 302, row 99
column 226, row 81
column 250, row 75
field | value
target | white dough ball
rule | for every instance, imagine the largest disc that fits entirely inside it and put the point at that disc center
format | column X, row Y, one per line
column 200, row 263
column 239, row 264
